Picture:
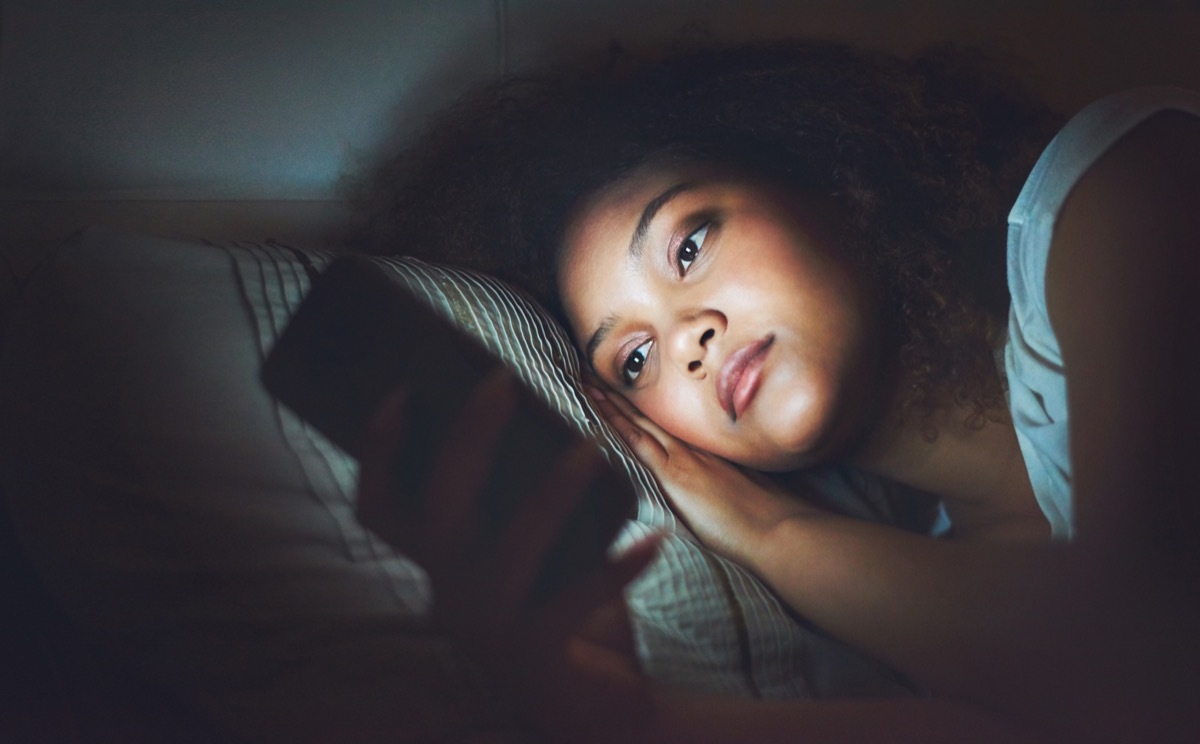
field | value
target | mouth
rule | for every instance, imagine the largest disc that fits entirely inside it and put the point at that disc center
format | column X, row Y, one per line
column 740, row 376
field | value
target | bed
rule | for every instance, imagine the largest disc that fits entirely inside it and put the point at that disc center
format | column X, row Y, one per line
column 202, row 540
column 181, row 562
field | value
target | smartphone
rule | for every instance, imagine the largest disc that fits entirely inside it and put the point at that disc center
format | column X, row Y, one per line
column 359, row 334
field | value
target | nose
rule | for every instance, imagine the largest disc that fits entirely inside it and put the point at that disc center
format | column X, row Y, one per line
column 692, row 339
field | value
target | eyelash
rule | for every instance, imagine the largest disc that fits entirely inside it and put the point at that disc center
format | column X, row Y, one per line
column 644, row 357
column 696, row 241
column 641, row 353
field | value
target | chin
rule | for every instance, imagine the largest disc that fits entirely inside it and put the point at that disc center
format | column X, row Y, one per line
column 816, row 433
column 800, row 432
column 776, row 458
column 808, row 439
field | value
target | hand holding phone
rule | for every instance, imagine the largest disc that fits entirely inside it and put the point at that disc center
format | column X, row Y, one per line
column 358, row 335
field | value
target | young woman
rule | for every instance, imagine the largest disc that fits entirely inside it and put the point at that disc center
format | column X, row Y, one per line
column 776, row 256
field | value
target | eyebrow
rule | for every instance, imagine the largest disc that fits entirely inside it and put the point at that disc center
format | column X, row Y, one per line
column 637, row 244
column 598, row 337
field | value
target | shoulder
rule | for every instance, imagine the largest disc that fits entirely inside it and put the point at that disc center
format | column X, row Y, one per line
column 1158, row 159
column 1105, row 153
column 1122, row 284
column 1134, row 212
column 1087, row 137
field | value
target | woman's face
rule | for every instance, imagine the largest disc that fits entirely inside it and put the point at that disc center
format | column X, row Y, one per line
column 717, row 305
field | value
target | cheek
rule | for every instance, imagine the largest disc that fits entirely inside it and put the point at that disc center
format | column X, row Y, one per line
column 681, row 413
column 687, row 416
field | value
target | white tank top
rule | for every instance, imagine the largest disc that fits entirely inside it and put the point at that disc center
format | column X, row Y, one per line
column 1032, row 360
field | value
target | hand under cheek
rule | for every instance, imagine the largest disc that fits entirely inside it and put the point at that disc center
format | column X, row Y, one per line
column 594, row 392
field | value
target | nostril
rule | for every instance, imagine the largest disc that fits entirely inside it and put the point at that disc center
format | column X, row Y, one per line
column 706, row 337
column 693, row 366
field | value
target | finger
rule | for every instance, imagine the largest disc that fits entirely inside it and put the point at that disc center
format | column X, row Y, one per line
column 527, row 540
column 613, row 401
column 464, row 460
column 567, row 612
column 376, row 508
column 644, row 444
column 631, row 412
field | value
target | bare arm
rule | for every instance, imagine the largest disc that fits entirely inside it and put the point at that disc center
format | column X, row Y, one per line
column 1085, row 638
column 557, row 684
column 954, row 615
column 1102, row 653
column 1123, row 287
column 1123, row 290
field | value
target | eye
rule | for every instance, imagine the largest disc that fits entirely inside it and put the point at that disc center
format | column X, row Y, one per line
column 689, row 249
column 635, row 362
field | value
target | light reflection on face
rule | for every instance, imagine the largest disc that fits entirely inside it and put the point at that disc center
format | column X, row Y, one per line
column 717, row 305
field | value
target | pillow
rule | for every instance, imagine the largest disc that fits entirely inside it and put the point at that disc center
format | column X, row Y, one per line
column 207, row 536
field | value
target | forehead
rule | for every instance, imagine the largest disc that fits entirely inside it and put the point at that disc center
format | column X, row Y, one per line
column 604, row 215
column 629, row 194
column 608, row 217
column 598, row 233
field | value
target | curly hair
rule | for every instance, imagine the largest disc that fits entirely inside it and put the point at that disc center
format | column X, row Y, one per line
column 921, row 158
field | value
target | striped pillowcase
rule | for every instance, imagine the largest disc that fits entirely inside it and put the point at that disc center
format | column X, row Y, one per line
column 699, row 620
column 207, row 536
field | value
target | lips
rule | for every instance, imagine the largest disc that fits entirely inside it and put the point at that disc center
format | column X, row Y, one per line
column 740, row 376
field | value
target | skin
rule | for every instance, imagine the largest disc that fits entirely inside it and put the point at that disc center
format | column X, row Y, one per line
column 725, row 262
column 1121, row 278
column 1021, row 640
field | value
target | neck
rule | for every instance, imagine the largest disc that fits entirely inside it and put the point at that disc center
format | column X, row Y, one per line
column 978, row 471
